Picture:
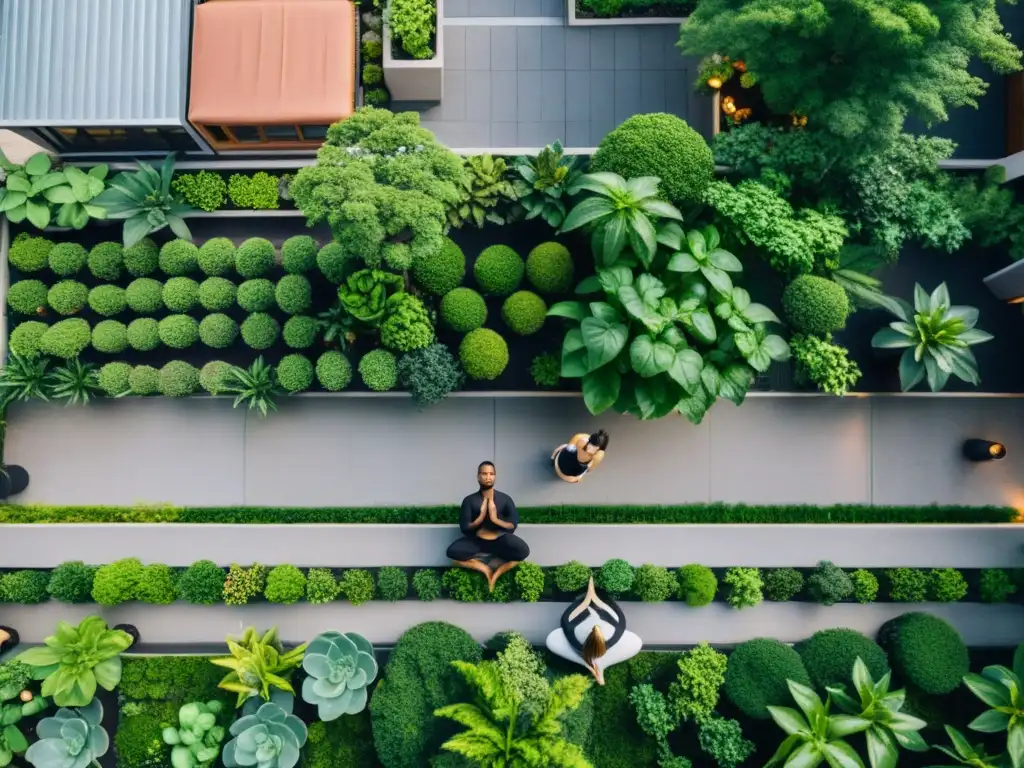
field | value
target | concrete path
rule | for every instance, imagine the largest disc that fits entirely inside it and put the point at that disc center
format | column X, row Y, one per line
column 352, row 451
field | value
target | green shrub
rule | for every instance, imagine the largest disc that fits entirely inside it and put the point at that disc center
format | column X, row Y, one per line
column 294, row 294
column 117, row 582
column 829, row 584
column 615, row 576
column 484, row 354
column 419, row 678
column 661, row 145
column 947, row 585
column 213, row 376
column 295, row 373
column 334, row 263
column 106, row 261
column 529, row 579
column 392, row 583
column 865, row 586
column 29, row 254
column 24, row 587
column 464, row 586
column 285, row 584
column 144, row 295
column 443, row 272
column 407, row 325
column 218, row 331
column 697, row 584
column 144, row 334
column 757, row 674
column 260, row 331
column 524, row 312
column 244, row 584
column 549, row 268
column 113, row 379
column 181, row 294
column 202, row 583
column 67, row 259
column 343, row 743
column 216, row 294
column 907, row 585
column 27, row 296
column 379, row 370
column 694, row 693
column 321, row 586
column 217, row 257
column 372, row 74
column 142, row 258
column 109, row 337
column 178, row 257
column 254, row 257
column 66, row 339
column 996, row 586
column 256, row 295
column 178, row 379
column 722, row 740
column 372, row 50
column 259, row 191
column 298, row 254
column 71, row 582
column 926, row 651
column 167, row 678
column 572, row 577
column 333, row 371
column 744, row 587
column 356, row 585
column 653, row 583
column 179, row 331
column 138, row 740
column 498, row 270
column 68, row 297
column 107, row 300
column 299, row 332
column 815, row 305
column 144, row 380
column 463, row 310
column 26, row 336
column 205, row 190
column 546, row 370
column 156, row 585
column 782, row 584
column 430, row 374
column 828, row 656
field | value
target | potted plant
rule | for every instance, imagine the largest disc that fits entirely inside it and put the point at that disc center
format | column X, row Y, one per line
column 414, row 50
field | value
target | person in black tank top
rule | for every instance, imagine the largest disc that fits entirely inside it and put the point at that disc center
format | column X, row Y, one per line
column 573, row 460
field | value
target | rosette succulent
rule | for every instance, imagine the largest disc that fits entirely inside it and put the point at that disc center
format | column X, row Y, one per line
column 257, row 665
column 196, row 742
column 340, row 667
column 72, row 738
column 272, row 737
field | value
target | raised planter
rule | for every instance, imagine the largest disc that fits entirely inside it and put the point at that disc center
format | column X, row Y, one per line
column 623, row 21
column 416, row 79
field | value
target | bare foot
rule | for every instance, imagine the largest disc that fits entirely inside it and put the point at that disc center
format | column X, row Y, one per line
column 476, row 565
column 500, row 571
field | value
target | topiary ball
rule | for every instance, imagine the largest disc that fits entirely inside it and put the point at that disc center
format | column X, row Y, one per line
column 498, row 270
column 333, row 371
column 484, row 354
column 217, row 256
column 144, row 380
column 549, row 268
column 298, row 254
column 379, row 370
column 179, row 331
column 661, row 145
column 29, row 254
column 524, row 312
column 218, row 331
column 142, row 258
column 66, row 339
column 254, row 257
column 67, row 259
column 697, row 584
column 109, row 337
column 463, row 310
column 815, row 305
column 25, row 338
column 213, row 376
column 294, row 294
column 181, row 294
column 757, row 673
column 179, row 257
column 217, row 294
column 106, row 261
column 178, row 379
column 144, row 334
column 107, row 300
column 260, row 331
column 442, row 272
column 145, row 295
column 256, row 295
column 114, row 379
column 926, row 651
column 68, row 297
column 299, row 332
column 28, row 297
column 295, row 373
column 829, row 655
column 334, row 263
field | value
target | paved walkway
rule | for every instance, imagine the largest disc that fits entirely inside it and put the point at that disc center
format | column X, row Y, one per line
column 319, row 451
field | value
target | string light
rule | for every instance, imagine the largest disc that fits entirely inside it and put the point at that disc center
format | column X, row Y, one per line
column 729, row 105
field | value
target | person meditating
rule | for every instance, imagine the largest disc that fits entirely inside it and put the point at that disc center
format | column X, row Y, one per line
column 488, row 520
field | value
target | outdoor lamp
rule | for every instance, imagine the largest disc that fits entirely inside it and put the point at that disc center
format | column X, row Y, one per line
column 715, row 82
column 983, row 450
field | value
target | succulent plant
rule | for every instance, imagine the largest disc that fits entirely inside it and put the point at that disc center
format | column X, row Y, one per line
column 257, row 665
column 12, row 740
column 73, row 738
column 340, row 667
column 196, row 742
column 272, row 737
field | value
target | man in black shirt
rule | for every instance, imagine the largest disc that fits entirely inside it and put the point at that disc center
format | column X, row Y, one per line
column 487, row 521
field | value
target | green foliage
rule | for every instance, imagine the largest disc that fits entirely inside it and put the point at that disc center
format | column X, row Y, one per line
column 213, row 376
column 407, row 324
column 372, row 49
column 572, row 577
column 744, row 587
column 693, row 695
column 697, row 584
column 67, row 297
column 340, row 668
column 270, row 737
column 144, row 380
column 23, row 379
column 333, row 371
column 321, row 586
column 615, row 576
column 947, row 585
column 343, row 743
column 299, row 332
column 524, row 312
column 926, row 651
column 814, row 305
column 356, row 585
column 14, row 678
column 379, row 370
column 372, row 74
column 463, row 585
column 652, row 715
column 485, row 186
column 27, row 296
column 202, row 583
column 546, row 370
column 443, row 272
column 295, row 373
column 156, row 585
column 106, row 260
column 285, row 584
column 67, row 259
column 392, row 583
column 138, row 740
column 381, row 181
column 549, row 268
column 427, row 584
column 217, row 257
column 205, row 190
column 660, row 145
column 259, row 664
column 498, row 270
column 298, row 254
column 69, row 738
column 988, row 209
column 543, row 182
column 254, row 257
column 26, row 337
column 412, row 24
column 259, row 191
column 196, row 742
column 110, row 337
column 178, row 379
column 653, row 583
column 65, row 339
column 334, row 263
column 144, row 296
column 74, row 381
column 178, row 257
column 144, row 334
column 782, row 584
column 365, row 294
column 484, row 354
column 117, row 582
column 294, row 294
column 812, row 734
column 218, row 331
column 463, row 310
column 826, row 365
column 722, row 740
column 142, row 258
column 828, row 656
column 829, row 584
column 180, row 294
column 907, row 585
column 430, row 374
column 71, row 582
column 529, row 579
column 30, row 254
column 256, row 295
column 865, row 586
column 256, row 386
column 260, row 330
column 179, row 331
column 996, row 586
column 24, row 587
column 757, row 674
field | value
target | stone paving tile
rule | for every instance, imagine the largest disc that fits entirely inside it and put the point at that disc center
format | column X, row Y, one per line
column 531, row 93
column 577, row 48
column 455, row 48
column 504, row 53
column 528, row 41
column 456, row 9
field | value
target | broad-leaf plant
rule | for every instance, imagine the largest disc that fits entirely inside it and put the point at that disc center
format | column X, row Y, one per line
column 1001, row 689
column 814, row 735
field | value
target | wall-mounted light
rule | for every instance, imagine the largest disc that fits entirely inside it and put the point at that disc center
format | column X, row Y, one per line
column 983, row 450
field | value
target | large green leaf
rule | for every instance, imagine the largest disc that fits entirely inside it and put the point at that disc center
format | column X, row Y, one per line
column 682, row 262
column 695, row 405
column 702, row 325
column 643, row 239
column 135, row 228
column 38, row 164
column 604, row 340
column 991, row 721
column 574, row 310
column 605, row 311
column 12, row 200
column 613, row 278
column 649, row 357
column 718, row 278
column 789, row 720
column 887, row 338
column 1015, row 746
column 589, row 284
column 601, row 389
column 724, row 260
column 911, row 371
column 18, row 183
column 990, row 692
column 839, row 754
column 614, row 239
column 736, row 381
column 60, row 195
column 653, row 398
column 685, row 369
column 37, row 213
column 588, row 211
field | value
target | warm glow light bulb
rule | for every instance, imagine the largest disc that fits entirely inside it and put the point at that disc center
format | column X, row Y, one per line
column 715, row 82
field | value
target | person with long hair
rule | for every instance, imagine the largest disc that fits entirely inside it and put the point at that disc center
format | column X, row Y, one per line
column 572, row 461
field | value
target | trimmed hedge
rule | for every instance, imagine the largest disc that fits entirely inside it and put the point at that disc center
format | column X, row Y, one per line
column 829, row 655
column 757, row 674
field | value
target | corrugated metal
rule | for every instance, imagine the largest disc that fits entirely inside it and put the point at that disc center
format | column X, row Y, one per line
column 93, row 62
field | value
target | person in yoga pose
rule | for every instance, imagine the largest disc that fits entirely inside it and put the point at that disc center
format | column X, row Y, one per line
column 580, row 455
column 488, row 521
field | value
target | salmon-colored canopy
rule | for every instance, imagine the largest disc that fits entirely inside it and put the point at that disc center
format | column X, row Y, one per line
column 265, row 62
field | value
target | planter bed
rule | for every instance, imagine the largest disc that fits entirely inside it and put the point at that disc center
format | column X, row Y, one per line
column 581, row 12
column 268, row 201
